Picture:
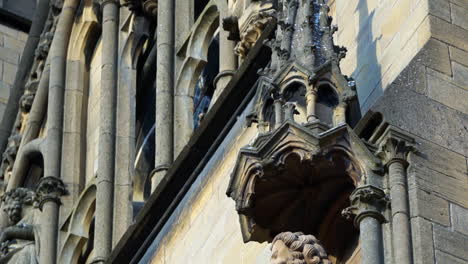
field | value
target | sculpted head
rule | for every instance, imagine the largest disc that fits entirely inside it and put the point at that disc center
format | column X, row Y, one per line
column 297, row 248
column 17, row 202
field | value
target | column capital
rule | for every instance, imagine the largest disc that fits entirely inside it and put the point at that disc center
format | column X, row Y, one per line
column 50, row 189
column 394, row 146
column 366, row 201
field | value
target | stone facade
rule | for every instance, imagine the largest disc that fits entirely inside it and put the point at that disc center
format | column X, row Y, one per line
column 12, row 42
column 237, row 131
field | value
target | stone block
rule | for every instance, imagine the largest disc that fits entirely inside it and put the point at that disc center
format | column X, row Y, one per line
column 413, row 77
column 73, row 116
column 458, row 56
column 440, row 8
column 7, row 30
column 450, row 242
column 459, row 16
column 435, row 183
column 442, row 257
column 425, row 118
column 447, row 93
column 5, row 89
column 462, row 3
column 9, row 73
column 459, row 218
column 423, row 243
column 395, row 18
column 435, row 55
column 9, row 55
column 13, row 43
column 460, row 75
column 429, row 206
column 449, row 33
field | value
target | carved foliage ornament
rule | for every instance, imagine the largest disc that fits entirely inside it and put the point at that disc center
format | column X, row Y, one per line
column 146, row 7
column 50, row 189
column 366, row 201
column 252, row 32
column 297, row 248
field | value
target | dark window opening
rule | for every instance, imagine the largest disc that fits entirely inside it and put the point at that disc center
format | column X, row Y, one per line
column 199, row 7
column 327, row 100
column 205, row 86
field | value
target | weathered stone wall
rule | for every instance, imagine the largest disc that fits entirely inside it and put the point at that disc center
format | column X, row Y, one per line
column 429, row 100
column 382, row 37
column 415, row 52
column 205, row 227
column 12, row 42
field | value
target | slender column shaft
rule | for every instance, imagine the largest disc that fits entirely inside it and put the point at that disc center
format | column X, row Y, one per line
column 400, row 217
column 53, row 140
column 366, row 205
column 311, row 98
column 278, row 113
column 371, row 241
column 106, row 148
column 49, row 224
column 164, row 91
column 227, row 60
column 49, row 191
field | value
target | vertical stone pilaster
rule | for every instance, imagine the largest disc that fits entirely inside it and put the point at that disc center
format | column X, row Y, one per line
column 367, row 203
column 49, row 191
column 394, row 148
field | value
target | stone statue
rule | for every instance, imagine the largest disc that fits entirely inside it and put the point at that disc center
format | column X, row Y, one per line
column 19, row 242
column 297, row 248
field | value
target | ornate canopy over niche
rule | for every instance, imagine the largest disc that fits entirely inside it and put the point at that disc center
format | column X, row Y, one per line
column 289, row 179
column 299, row 172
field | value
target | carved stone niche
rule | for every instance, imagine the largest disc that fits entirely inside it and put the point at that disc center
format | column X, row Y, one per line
column 293, row 179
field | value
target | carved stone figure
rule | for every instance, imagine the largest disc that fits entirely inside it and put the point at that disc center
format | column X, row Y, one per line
column 20, row 241
column 297, row 248
column 9, row 156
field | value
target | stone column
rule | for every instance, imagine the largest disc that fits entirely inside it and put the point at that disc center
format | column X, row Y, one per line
column 367, row 203
column 107, row 118
column 394, row 149
column 227, row 59
column 278, row 112
column 311, row 99
column 164, row 91
column 49, row 191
